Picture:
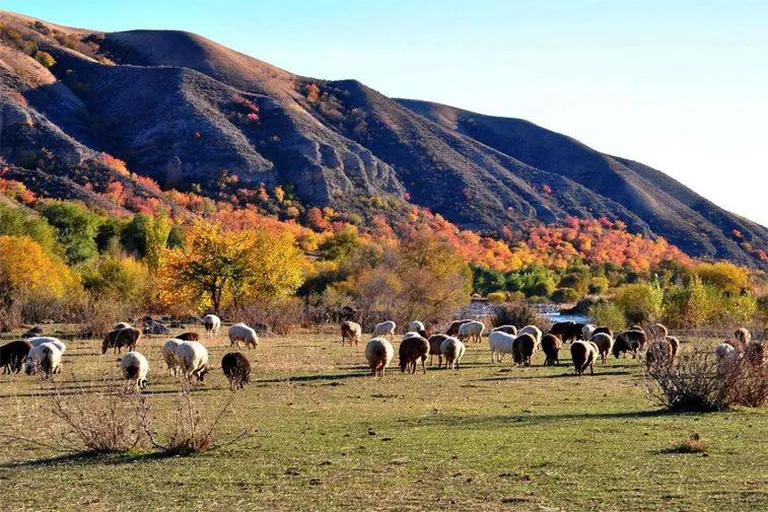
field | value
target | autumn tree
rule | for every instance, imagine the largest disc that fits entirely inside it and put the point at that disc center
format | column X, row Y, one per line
column 25, row 268
column 217, row 266
column 726, row 276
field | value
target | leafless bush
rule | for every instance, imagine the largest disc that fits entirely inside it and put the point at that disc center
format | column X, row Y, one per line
column 518, row 314
column 193, row 430
column 749, row 383
column 281, row 316
column 102, row 314
column 10, row 315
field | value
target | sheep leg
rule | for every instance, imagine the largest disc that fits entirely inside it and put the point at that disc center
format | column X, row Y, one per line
column 424, row 365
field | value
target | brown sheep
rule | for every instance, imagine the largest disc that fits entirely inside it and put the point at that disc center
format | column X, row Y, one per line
column 606, row 330
column 350, row 331
column 120, row 338
column 523, row 349
column 674, row 343
column 188, row 336
column 435, row 341
column 604, row 345
column 509, row 329
column 658, row 331
column 756, row 353
column 659, row 352
column 551, row 344
column 237, row 369
column 584, row 355
column 13, row 355
column 629, row 341
column 412, row 350
column 453, row 329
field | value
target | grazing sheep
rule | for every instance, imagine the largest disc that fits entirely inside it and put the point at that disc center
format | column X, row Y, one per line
column 559, row 328
column 385, row 329
column 416, row 326
column 412, row 350
column 509, row 329
column 241, row 332
column 629, row 341
column 13, row 355
column 742, row 335
column 523, row 349
column 533, row 331
column 453, row 350
column 379, row 353
column 674, row 343
column 606, row 330
column 584, row 354
column 726, row 356
column 453, row 329
column 350, row 331
column 472, row 330
column 501, row 343
column 435, row 342
column 587, row 331
column 45, row 358
column 237, row 369
column 121, row 325
column 604, row 344
column 169, row 355
column 550, row 345
column 212, row 325
column 116, row 340
column 567, row 331
column 755, row 353
column 193, row 360
column 135, row 368
column 659, row 352
column 658, row 331
column 48, row 339
column 188, row 336
column 637, row 327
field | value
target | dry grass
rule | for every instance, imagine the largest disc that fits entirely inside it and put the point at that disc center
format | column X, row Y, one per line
column 694, row 444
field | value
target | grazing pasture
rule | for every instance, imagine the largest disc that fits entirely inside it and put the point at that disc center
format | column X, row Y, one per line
column 328, row 436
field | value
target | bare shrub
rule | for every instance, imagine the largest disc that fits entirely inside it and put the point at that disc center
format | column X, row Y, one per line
column 694, row 444
column 11, row 316
column 101, row 314
column 749, row 383
column 519, row 314
column 193, row 429
column 281, row 316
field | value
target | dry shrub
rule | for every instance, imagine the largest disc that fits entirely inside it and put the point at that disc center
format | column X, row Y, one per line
column 749, row 383
column 11, row 316
column 518, row 314
column 194, row 430
column 101, row 314
column 694, row 444
column 281, row 316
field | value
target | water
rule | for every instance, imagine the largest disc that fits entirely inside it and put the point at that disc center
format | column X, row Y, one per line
column 559, row 317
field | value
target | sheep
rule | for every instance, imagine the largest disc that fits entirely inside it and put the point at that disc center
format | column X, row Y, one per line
column 45, row 358
column 587, row 331
column 241, row 332
column 453, row 329
column 453, row 350
column 755, row 353
column 472, row 330
column 725, row 351
column 412, row 350
column 121, row 325
column 13, row 355
column 169, row 355
column 658, row 331
column 416, row 326
column 188, row 336
column 116, row 340
column 637, row 327
column 212, row 325
column 379, row 353
column 567, row 331
column 509, row 329
column 501, row 344
column 350, row 331
column 385, row 329
column 533, row 331
column 584, row 354
column 659, row 352
column 193, row 360
column 48, row 339
column 435, row 342
column 742, row 335
column 674, row 343
column 237, row 369
column 135, row 368
column 629, row 341
column 604, row 344
column 550, row 345
column 606, row 330
column 523, row 349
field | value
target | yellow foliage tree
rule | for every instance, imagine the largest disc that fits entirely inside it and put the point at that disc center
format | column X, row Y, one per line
column 25, row 267
column 726, row 276
column 219, row 266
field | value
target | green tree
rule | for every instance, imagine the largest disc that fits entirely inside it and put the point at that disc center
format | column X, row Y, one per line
column 76, row 228
column 18, row 222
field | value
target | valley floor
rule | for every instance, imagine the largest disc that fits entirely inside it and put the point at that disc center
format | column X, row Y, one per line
column 325, row 436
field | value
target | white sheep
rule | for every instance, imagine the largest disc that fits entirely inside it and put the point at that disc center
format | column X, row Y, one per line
column 121, row 325
column 587, row 331
column 48, row 339
column 725, row 350
column 351, row 331
column 416, row 326
column 169, row 355
column 241, row 332
column 509, row 329
column 501, row 344
column 45, row 358
column 452, row 350
column 411, row 334
column 135, row 368
column 385, row 329
column 379, row 353
column 471, row 331
column 604, row 342
column 193, row 360
column 533, row 331
column 212, row 325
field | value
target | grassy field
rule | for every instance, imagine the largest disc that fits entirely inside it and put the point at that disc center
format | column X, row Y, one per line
column 328, row 437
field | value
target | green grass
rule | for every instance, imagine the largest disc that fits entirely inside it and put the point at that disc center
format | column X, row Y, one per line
column 328, row 437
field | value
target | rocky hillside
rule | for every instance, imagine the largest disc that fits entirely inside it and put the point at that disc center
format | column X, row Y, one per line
column 193, row 114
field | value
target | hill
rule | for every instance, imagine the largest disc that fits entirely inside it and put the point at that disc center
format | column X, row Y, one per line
column 195, row 115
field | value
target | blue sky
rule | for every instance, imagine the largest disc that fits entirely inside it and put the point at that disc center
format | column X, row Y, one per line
column 679, row 85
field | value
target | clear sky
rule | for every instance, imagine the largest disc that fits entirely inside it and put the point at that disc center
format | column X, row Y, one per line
column 676, row 84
